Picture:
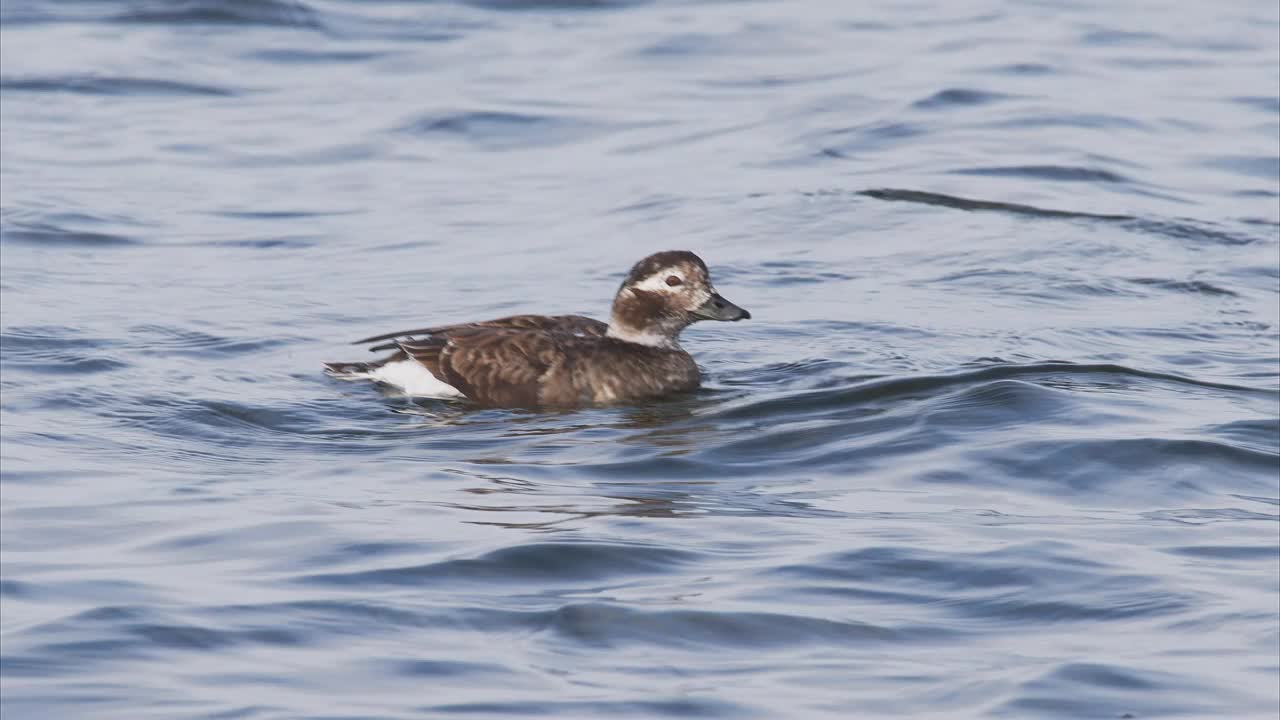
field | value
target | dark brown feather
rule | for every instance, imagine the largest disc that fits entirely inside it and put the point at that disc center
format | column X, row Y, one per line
column 492, row 366
column 661, row 260
column 641, row 309
column 556, row 323
column 503, row 367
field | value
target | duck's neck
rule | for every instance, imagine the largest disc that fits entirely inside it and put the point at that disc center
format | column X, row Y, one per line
column 642, row 318
column 649, row 337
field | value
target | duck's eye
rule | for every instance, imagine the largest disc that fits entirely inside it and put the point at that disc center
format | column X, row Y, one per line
column 674, row 280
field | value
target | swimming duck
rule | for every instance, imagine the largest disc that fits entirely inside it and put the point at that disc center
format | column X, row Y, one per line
column 562, row 360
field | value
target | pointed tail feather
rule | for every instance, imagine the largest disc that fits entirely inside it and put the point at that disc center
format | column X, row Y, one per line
column 349, row 369
column 354, row 370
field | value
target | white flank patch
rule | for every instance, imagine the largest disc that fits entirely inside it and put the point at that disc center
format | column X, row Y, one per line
column 414, row 378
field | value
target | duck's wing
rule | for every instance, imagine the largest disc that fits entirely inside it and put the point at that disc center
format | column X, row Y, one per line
column 490, row 365
column 570, row 324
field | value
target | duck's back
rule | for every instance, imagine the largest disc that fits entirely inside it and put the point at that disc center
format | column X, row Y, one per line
column 509, row 367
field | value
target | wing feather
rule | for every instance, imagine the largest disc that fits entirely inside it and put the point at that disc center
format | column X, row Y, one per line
column 571, row 324
column 492, row 366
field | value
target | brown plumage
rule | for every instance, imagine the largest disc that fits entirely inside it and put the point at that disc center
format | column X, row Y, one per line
column 564, row 360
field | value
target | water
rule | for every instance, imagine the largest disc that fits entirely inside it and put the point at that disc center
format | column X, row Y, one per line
column 1001, row 441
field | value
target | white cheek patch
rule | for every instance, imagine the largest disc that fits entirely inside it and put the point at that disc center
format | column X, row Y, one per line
column 658, row 282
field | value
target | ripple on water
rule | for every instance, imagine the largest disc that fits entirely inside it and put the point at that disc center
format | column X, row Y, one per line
column 1059, row 173
column 172, row 341
column 1262, row 167
column 641, row 705
column 1070, row 120
column 107, row 85
column 1085, row 689
column 1193, row 230
column 540, row 563
column 1044, row 585
column 532, row 5
column 58, row 351
column 308, row 56
column 492, row 130
column 1267, row 104
column 959, row 98
column 1186, row 286
column 608, row 625
column 278, row 13
column 50, row 235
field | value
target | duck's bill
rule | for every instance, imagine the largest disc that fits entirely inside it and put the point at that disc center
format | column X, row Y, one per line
column 717, row 308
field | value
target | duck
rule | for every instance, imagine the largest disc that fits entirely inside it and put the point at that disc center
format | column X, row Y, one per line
column 561, row 361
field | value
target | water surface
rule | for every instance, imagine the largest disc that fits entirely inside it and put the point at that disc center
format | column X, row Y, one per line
column 1002, row 439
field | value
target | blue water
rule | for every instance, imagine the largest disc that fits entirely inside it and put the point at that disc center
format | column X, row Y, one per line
column 1001, row 441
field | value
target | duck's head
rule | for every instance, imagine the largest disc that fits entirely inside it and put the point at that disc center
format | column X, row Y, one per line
column 662, row 295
